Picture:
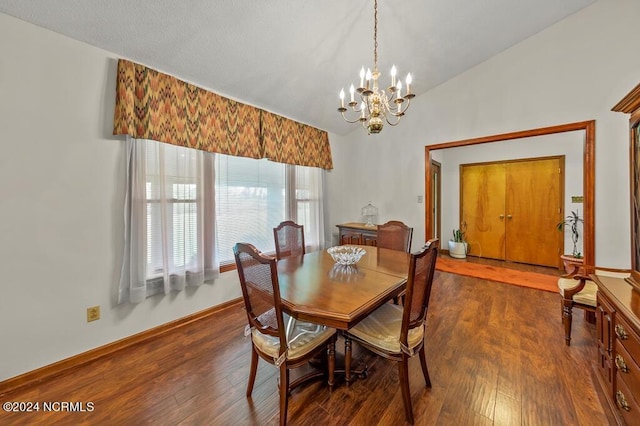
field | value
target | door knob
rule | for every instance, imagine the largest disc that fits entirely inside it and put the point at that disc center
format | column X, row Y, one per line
column 501, row 216
column 508, row 216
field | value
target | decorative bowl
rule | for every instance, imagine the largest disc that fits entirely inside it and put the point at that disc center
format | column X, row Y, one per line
column 346, row 255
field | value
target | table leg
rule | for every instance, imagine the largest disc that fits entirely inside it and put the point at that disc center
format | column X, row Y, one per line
column 331, row 354
column 347, row 359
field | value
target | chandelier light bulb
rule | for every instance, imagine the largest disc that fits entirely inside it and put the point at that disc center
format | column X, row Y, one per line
column 393, row 75
column 352, row 90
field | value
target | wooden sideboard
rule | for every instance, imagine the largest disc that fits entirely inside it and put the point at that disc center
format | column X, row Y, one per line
column 618, row 340
column 357, row 233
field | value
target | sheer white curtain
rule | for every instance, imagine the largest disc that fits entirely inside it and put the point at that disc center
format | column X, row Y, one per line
column 309, row 206
column 169, row 220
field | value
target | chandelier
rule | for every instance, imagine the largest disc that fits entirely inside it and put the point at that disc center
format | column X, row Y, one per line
column 375, row 103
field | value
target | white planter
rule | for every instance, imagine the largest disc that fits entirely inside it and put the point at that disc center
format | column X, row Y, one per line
column 457, row 250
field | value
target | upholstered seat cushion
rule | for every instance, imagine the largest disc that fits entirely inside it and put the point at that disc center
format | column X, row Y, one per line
column 382, row 329
column 588, row 294
column 586, row 297
column 302, row 338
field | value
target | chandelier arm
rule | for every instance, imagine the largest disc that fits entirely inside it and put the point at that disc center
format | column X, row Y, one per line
column 407, row 102
column 350, row 121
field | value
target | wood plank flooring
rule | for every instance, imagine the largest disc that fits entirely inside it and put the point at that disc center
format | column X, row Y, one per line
column 496, row 356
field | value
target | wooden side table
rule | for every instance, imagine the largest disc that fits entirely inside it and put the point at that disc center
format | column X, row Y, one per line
column 357, row 233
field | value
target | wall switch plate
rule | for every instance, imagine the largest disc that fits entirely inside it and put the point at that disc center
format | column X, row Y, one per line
column 420, row 199
column 93, row 313
column 577, row 199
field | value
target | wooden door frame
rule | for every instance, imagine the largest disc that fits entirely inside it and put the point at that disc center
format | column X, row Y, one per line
column 438, row 190
column 588, row 173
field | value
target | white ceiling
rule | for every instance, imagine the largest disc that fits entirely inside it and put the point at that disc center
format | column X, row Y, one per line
column 292, row 57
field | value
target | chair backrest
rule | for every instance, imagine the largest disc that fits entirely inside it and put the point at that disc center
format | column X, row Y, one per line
column 289, row 239
column 419, row 281
column 394, row 235
column 260, row 290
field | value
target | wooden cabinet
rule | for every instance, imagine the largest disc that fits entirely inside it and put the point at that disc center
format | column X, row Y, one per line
column 357, row 233
column 618, row 332
column 630, row 104
column 604, row 326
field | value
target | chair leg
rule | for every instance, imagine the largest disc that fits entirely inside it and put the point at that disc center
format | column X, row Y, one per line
column 403, row 371
column 252, row 372
column 284, row 393
column 567, row 307
column 425, row 370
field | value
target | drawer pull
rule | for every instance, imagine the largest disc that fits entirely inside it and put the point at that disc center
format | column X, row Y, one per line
column 622, row 366
column 622, row 401
column 621, row 333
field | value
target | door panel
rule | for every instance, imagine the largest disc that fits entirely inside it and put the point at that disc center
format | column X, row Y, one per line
column 533, row 207
column 483, row 209
column 509, row 210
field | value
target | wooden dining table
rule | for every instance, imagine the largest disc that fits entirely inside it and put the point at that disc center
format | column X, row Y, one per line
column 314, row 288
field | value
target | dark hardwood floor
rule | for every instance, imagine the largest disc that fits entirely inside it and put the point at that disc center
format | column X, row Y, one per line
column 496, row 356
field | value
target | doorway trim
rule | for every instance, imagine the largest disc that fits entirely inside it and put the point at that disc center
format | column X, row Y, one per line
column 588, row 173
column 436, row 211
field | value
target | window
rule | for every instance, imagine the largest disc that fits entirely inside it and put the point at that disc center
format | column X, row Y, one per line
column 185, row 209
column 254, row 196
column 175, row 182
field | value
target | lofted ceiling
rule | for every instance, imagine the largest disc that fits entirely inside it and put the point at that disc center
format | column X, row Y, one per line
column 292, row 57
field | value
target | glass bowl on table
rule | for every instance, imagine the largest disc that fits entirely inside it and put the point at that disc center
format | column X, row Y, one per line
column 346, row 255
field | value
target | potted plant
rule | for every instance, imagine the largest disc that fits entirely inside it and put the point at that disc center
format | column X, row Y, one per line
column 458, row 247
column 573, row 220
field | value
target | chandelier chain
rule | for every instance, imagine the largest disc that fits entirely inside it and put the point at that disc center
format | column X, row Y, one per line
column 375, row 36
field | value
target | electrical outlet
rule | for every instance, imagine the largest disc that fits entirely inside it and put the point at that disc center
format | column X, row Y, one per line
column 93, row 313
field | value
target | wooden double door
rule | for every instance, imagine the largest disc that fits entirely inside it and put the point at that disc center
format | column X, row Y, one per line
column 509, row 210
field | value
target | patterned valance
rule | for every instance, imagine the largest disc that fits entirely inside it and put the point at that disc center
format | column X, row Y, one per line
column 287, row 141
column 157, row 106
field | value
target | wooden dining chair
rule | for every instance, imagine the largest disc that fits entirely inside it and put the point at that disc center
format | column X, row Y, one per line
column 395, row 235
column 275, row 337
column 289, row 239
column 397, row 332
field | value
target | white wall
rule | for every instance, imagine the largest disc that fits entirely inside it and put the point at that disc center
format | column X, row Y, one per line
column 574, row 71
column 61, row 221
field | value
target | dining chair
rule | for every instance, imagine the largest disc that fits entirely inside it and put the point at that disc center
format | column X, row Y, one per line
column 397, row 332
column 289, row 239
column 395, row 235
column 275, row 337
column 578, row 291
